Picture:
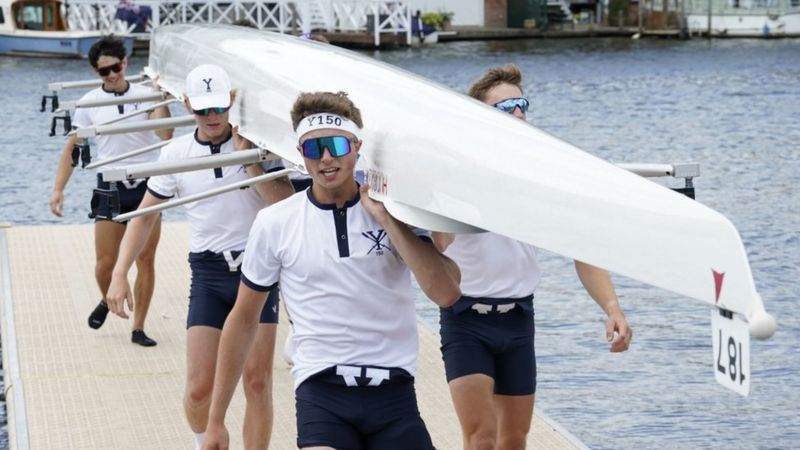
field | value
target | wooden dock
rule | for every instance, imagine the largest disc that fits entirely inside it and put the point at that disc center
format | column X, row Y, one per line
column 68, row 386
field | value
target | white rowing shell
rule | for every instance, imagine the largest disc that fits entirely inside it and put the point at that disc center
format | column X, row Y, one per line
column 441, row 155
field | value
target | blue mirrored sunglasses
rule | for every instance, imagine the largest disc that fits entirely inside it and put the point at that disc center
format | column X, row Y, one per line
column 207, row 111
column 337, row 146
column 509, row 105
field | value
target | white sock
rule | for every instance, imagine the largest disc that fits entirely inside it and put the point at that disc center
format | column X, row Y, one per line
column 198, row 440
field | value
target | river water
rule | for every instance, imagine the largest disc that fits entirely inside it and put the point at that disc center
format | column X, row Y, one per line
column 731, row 105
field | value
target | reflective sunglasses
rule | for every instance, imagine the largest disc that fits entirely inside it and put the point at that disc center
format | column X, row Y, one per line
column 509, row 105
column 104, row 71
column 207, row 111
column 337, row 146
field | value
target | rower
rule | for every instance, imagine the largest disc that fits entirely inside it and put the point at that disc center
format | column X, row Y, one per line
column 109, row 61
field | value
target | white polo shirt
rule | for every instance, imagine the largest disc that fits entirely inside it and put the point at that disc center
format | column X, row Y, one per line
column 219, row 223
column 347, row 291
column 494, row 266
column 117, row 144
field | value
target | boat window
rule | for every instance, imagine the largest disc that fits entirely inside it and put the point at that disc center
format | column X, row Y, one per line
column 2, row 17
column 29, row 17
column 32, row 16
column 48, row 13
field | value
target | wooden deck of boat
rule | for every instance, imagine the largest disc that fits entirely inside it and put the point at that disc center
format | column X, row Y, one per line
column 69, row 386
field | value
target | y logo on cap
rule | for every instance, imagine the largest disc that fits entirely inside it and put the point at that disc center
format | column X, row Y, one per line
column 208, row 84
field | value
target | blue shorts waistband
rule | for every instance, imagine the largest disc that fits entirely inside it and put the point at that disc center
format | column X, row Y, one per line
column 487, row 305
column 362, row 376
column 124, row 184
column 209, row 255
column 230, row 259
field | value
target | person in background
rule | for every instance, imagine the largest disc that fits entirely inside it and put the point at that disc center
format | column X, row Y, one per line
column 219, row 233
column 488, row 334
column 108, row 60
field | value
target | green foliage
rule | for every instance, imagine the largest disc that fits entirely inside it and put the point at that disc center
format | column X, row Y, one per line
column 614, row 9
column 437, row 19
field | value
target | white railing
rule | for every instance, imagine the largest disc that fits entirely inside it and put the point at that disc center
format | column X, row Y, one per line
column 93, row 15
column 283, row 16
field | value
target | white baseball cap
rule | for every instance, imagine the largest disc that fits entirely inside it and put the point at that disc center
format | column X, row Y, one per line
column 208, row 86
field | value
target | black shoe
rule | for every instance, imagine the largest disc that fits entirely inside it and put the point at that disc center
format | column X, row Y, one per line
column 98, row 316
column 138, row 337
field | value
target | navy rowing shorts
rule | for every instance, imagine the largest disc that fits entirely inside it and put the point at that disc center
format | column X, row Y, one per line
column 213, row 291
column 493, row 337
column 359, row 417
column 130, row 195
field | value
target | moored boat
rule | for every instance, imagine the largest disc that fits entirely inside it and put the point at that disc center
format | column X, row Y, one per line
column 38, row 28
column 744, row 18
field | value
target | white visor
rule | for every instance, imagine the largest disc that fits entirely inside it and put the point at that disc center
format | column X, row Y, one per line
column 326, row 121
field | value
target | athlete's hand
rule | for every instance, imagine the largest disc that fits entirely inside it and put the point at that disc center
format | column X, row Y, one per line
column 616, row 323
column 118, row 292
column 239, row 142
column 216, row 438
column 156, row 86
column 375, row 208
column 57, row 203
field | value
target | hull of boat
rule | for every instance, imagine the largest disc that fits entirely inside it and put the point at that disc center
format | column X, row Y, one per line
column 440, row 153
column 51, row 44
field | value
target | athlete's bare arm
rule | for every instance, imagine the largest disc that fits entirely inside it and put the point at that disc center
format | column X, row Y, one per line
column 161, row 113
column 270, row 191
column 136, row 236
column 442, row 240
column 437, row 275
column 598, row 284
column 63, row 172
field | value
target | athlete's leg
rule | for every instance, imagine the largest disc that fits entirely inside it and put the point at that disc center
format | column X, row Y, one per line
column 473, row 399
column 107, row 237
column 515, row 384
column 326, row 413
column 145, row 278
column 201, row 360
column 514, row 414
column 257, row 380
column 391, row 419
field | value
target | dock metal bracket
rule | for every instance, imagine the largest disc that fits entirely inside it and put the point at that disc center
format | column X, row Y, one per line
column 687, row 171
column 110, row 195
column 53, row 102
column 81, row 152
column 67, row 124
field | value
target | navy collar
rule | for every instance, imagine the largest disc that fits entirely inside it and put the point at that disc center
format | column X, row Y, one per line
column 332, row 206
column 209, row 143
column 117, row 94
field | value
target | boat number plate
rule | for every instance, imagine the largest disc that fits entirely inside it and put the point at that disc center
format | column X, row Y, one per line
column 378, row 182
column 731, row 343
